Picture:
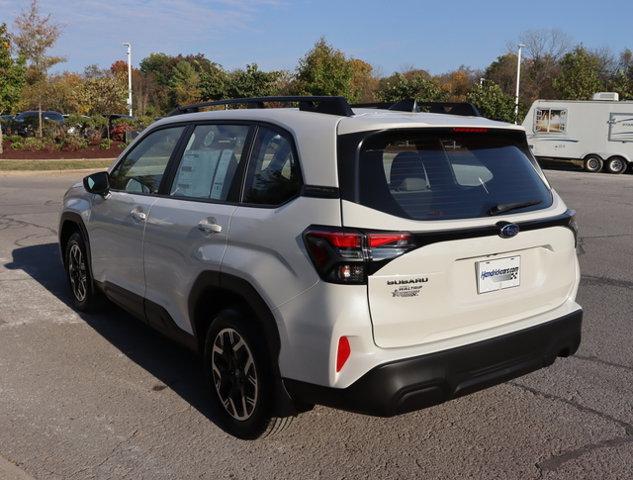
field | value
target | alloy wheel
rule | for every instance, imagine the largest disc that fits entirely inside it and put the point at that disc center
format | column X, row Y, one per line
column 78, row 273
column 234, row 374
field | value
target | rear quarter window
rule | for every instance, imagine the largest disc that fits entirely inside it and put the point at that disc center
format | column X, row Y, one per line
column 437, row 175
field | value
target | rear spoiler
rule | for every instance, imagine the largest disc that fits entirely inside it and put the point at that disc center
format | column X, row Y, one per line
column 409, row 105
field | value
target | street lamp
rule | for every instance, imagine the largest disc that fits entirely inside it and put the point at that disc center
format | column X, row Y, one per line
column 129, row 76
column 516, row 96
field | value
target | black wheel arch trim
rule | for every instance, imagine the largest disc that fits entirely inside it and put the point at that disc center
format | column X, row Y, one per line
column 78, row 221
column 283, row 403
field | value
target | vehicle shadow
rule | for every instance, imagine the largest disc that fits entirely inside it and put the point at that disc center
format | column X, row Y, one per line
column 558, row 165
column 176, row 367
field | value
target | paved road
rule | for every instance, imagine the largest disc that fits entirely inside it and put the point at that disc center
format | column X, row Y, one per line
column 101, row 396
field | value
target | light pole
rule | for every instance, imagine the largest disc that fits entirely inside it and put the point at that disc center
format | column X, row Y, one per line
column 129, row 76
column 516, row 96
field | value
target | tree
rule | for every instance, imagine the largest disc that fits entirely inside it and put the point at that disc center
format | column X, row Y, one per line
column 546, row 43
column 184, row 84
column 119, row 67
column 102, row 92
column 458, row 83
column 12, row 73
column 62, row 93
column 251, row 82
column 143, row 86
column 622, row 79
column 324, row 70
column 363, row 84
column 492, row 102
column 413, row 84
column 171, row 80
column 213, row 82
column 579, row 77
column 503, row 72
column 35, row 36
column 543, row 51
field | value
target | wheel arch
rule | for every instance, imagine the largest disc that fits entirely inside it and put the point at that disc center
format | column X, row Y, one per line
column 229, row 291
column 69, row 223
column 214, row 291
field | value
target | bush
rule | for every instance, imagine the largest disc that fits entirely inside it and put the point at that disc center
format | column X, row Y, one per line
column 120, row 126
column 105, row 144
column 52, row 130
column 72, row 143
column 34, row 144
column 90, row 128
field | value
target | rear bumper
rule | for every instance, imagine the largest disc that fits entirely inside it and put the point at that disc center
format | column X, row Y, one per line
column 419, row 382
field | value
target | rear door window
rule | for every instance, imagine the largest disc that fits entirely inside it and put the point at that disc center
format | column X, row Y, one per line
column 447, row 175
column 210, row 163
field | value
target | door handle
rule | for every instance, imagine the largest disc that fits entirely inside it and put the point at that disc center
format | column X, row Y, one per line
column 209, row 225
column 138, row 214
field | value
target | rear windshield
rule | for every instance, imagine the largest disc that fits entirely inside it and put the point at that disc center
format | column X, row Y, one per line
column 448, row 175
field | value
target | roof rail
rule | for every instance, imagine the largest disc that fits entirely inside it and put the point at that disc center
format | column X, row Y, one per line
column 317, row 104
column 410, row 105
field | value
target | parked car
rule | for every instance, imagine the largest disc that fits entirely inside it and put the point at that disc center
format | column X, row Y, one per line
column 372, row 260
column 598, row 132
column 26, row 123
column 6, row 122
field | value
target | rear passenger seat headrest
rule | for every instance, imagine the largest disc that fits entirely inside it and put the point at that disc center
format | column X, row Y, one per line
column 413, row 184
column 405, row 166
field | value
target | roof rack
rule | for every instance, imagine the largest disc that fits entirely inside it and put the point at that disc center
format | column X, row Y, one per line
column 410, row 105
column 317, row 104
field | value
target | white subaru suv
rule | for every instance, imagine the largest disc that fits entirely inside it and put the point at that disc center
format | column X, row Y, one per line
column 374, row 258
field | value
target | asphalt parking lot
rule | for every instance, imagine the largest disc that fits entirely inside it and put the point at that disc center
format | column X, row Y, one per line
column 102, row 396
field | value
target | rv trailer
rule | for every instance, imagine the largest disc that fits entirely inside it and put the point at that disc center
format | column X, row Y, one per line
column 598, row 132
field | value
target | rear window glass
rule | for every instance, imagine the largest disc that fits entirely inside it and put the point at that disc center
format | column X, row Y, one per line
column 435, row 176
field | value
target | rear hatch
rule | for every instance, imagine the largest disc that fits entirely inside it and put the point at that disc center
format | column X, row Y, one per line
column 470, row 237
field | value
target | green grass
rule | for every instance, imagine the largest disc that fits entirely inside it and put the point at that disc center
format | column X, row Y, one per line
column 44, row 165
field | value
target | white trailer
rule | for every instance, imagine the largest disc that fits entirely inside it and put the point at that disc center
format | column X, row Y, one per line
column 598, row 132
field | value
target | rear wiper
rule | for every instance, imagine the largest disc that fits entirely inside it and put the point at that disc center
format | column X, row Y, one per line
column 506, row 207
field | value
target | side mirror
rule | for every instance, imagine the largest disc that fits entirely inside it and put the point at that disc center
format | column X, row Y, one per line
column 97, row 183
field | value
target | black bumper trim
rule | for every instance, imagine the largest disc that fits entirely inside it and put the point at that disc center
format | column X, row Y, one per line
column 419, row 382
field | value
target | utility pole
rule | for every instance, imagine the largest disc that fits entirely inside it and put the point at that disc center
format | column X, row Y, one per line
column 129, row 77
column 516, row 96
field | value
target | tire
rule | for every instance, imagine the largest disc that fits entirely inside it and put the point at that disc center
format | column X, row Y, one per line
column 617, row 165
column 84, row 295
column 240, row 379
column 593, row 163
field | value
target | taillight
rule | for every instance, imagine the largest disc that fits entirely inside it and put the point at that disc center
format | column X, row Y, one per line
column 348, row 256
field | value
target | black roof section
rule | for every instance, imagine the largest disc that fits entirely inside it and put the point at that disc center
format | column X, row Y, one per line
column 410, row 105
column 317, row 104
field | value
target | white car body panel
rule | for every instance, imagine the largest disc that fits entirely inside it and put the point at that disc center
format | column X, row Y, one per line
column 176, row 251
column 116, row 238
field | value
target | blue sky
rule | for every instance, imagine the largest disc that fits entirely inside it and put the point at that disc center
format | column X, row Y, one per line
column 391, row 35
